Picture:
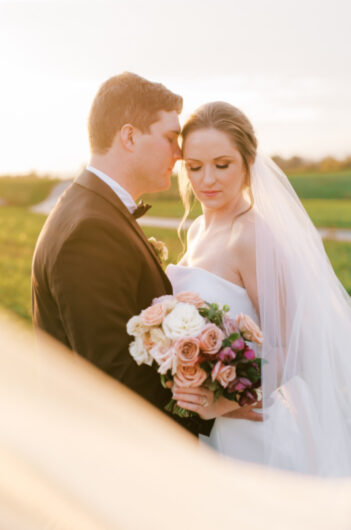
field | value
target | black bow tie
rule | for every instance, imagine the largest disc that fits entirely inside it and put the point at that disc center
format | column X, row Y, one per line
column 141, row 209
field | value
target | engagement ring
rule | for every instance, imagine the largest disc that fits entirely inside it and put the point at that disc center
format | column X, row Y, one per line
column 204, row 402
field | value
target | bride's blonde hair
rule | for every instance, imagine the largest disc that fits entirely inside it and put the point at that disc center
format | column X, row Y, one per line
column 230, row 120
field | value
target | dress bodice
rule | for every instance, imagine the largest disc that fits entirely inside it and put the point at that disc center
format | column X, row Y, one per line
column 212, row 288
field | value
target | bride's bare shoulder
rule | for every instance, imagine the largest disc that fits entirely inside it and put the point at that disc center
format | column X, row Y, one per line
column 244, row 232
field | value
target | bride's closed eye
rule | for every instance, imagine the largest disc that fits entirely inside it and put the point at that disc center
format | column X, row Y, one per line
column 218, row 166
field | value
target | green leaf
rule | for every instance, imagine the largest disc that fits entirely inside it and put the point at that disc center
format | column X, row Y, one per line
column 213, row 386
column 163, row 380
column 218, row 393
column 170, row 405
column 183, row 413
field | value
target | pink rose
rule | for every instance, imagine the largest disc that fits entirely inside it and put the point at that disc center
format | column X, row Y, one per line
column 249, row 329
column 153, row 315
column 224, row 374
column 190, row 376
column 189, row 297
column 211, row 338
column 163, row 298
column 238, row 345
column 187, row 350
column 229, row 324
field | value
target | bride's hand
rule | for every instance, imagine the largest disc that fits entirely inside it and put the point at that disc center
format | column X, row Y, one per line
column 246, row 412
column 201, row 400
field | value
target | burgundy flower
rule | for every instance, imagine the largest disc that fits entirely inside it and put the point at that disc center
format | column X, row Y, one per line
column 239, row 384
column 249, row 354
column 226, row 355
column 248, row 398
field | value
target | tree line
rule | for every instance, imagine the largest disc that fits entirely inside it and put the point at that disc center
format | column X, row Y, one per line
column 299, row 164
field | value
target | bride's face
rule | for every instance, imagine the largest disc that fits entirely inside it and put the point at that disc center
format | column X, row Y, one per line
column 215, row 168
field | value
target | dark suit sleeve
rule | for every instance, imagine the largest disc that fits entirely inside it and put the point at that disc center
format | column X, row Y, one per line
column 95, row 284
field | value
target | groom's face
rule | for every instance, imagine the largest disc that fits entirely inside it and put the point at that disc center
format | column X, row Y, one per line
column 158, row 151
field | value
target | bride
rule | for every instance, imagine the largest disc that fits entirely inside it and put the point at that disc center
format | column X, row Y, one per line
column 255, row 249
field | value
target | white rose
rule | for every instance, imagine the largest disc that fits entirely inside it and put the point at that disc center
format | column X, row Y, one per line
column 158, row 337
column 167, row 360
column 183, row 321
column 135, row 326
column 139, row 353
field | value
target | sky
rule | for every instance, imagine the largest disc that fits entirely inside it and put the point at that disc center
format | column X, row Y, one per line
column 286, row 64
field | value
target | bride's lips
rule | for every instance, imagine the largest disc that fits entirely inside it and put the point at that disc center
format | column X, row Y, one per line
column 210, row 193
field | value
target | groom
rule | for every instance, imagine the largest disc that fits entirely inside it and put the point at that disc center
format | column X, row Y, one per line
column 93, row 268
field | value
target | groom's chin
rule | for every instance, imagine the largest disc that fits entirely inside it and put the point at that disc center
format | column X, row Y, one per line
column 164, row 184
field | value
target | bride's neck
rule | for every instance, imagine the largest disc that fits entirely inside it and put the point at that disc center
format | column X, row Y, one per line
column 226, row 214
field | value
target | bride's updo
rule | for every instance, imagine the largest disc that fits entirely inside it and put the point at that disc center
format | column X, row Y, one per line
column 229, row 120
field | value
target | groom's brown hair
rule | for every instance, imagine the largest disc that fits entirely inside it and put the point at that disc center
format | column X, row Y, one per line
column 127, row 98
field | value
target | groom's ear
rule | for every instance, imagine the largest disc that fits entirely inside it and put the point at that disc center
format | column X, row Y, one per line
column 127, row 136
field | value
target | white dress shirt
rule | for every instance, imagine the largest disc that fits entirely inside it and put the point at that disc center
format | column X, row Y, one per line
column 123, row 194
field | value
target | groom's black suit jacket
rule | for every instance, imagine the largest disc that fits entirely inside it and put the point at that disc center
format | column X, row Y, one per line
column 93, row 269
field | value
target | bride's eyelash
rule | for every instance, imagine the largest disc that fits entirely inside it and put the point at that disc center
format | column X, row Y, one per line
column 219, row 166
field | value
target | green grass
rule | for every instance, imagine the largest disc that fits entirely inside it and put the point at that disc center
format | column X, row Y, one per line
column 19, row 230
column 340, row 257
column 172, row 208
column 322, row 185
column 25, row 191
column 334, row 213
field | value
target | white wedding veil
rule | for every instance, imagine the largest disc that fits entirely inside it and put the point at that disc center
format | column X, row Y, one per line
column 305, row 317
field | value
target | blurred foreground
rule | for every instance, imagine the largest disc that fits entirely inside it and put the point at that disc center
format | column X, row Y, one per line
column 78, row 451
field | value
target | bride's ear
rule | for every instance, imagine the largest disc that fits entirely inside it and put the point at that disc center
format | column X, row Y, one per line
column 127, row 136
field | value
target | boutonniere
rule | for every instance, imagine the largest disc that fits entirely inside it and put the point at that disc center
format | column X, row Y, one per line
column 160, row 248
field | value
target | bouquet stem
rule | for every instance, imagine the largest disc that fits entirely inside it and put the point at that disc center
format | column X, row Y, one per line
column 179, row 411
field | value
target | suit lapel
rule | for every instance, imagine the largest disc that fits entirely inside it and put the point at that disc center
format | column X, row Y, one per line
column 90, row 181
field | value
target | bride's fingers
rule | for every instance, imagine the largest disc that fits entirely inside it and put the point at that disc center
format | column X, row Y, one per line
column 191, row 394
column 254, row 416
column 191, row 398
column 190, row 390
column 189, row 406
column 258, row 405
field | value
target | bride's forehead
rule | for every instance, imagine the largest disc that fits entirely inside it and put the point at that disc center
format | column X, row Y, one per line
column 208, row 143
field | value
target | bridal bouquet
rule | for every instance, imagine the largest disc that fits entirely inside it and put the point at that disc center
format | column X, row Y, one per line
column 192, row 343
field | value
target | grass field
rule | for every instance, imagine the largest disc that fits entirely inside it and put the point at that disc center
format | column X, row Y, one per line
column 326, row 197
column 25, row 191
column 19, row 230
column 322, row 185
column 334, row 213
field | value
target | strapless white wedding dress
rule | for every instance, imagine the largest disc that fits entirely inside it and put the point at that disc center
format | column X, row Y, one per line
column 241, row 439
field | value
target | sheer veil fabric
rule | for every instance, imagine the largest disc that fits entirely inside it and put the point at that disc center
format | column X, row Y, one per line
column 306, row 322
